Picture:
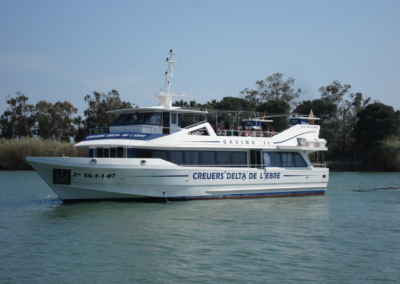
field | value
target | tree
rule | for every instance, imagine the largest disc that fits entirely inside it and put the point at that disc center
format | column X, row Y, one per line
column 276, row 107
column 323, row 109
column 376, row 123
column 80, row 132
column 334, row 93
column 232, row 103
column 339, row 130
column 98, row 105
column 18, row 120
column 273, row 88
column 54, row 121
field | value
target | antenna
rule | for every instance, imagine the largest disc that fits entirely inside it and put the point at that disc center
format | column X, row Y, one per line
column 164, row 95
column 179, row 75
column 158, row 87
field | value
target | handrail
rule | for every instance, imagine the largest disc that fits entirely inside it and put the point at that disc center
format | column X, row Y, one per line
column 319, row 165
column 149, row 127
column 245, row 133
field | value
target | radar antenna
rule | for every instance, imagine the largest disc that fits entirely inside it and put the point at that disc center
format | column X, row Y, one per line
column 164, row 95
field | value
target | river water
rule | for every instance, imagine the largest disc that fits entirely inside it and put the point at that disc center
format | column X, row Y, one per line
column 351, row 234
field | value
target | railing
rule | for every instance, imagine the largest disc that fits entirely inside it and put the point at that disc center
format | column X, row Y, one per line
column 318, row 165
column 106, row 129
column 246, row 133
column 101, row 129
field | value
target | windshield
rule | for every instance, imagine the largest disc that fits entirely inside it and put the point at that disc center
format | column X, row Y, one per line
column 138, row 118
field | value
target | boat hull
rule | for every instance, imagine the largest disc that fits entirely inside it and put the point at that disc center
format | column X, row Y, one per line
column 83, row 179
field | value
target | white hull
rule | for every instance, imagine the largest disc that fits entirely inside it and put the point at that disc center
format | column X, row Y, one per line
column 113, row 178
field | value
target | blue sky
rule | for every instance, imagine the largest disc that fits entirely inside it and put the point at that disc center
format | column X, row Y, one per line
column 64, row 50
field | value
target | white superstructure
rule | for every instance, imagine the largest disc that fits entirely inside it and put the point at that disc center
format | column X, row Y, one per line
column 150, row 153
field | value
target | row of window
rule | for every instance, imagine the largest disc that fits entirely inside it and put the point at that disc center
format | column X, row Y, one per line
column 138, row 118
column 283, row 159
column 147, row 119
column 207, row 158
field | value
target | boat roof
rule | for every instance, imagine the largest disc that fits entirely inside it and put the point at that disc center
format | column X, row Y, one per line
column 154, row 109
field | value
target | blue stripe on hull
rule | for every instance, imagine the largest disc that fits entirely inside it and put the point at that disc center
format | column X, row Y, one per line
column 211, row 197
column 249, row 195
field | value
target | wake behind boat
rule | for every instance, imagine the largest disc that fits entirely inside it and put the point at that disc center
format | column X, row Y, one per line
column 157, row 153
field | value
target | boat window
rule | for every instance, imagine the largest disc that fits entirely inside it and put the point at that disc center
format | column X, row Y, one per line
column 275, row 159
column 120, row 152
column 106, row 153
column 239, row 158
column 155, row 119
column 177, row 157
column 120, row 119
column 287, row 160
column 99, row 152
column 166, row 119
column 191, row 158
column 142, row 118
column 143, row 154
column 113, row 152
column 224, row 158
column 208, row 158
column 173, row 118
column 283, row 159
column 299, row 160
column 161, row 155
column 266, row 159
column 131, row 119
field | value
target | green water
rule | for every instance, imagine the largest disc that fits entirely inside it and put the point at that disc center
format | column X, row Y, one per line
column 350, row 235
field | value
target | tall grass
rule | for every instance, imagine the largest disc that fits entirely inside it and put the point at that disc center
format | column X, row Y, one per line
column 14, row 151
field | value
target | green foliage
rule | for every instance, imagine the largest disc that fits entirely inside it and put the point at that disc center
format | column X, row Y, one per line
column 335, row 92
column 376, row 123
column 276, row 107
column 232, row 103
column 98, row 105
column 185, row 104
column 323, row 109
column 45, row 119
column 338, row 126
column 18, row 120
column 273, row 88
column 54, row 121
column 14, row 151
column 80, row 132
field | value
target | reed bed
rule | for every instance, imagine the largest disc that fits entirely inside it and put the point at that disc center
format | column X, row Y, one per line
column 14, row 151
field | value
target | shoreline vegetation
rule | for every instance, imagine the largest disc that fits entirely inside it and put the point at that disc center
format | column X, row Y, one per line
column 362, row 134
column 14, row 151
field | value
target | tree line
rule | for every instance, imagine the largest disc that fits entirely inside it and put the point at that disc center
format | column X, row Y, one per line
column 56, row 121
column 355, row 127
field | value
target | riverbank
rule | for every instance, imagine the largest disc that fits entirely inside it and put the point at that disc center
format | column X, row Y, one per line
column 13, row 152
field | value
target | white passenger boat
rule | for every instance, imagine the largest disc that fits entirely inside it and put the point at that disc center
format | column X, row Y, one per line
column 155, row 153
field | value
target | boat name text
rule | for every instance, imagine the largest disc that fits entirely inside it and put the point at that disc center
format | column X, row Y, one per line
column 202, row 175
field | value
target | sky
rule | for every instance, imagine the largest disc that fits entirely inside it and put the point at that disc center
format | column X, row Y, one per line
column 64, row 50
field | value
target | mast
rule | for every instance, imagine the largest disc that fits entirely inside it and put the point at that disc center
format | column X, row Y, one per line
column 164, row 95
